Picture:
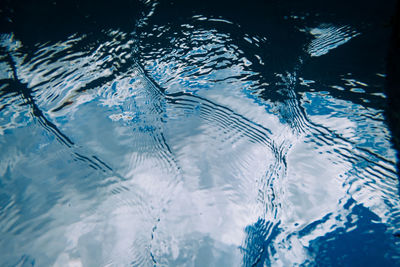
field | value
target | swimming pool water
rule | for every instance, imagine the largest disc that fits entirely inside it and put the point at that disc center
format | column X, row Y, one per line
column 199, row 134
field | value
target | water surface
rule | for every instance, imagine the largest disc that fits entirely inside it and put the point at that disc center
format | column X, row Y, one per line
column 199, row 136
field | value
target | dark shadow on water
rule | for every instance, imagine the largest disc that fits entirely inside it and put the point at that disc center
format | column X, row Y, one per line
column 393, row 83
column 48, row 20
column 352, row 245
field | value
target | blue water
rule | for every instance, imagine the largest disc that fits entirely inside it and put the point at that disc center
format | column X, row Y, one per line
column 200, row 136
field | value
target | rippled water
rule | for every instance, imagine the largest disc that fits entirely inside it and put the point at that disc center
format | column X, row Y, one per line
column 196, row 140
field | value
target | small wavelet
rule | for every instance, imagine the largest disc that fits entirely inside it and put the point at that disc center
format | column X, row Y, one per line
column 328, row 37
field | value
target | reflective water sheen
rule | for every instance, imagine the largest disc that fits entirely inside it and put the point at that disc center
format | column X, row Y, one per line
column 192, row 141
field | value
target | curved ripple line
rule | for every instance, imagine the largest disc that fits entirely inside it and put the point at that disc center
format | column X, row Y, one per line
column 328, row 38
column 225, row 117
column 368, row 168
column 22, row 89
column 232, row 123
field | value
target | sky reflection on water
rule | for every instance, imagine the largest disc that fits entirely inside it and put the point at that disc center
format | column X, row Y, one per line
column 189, row 141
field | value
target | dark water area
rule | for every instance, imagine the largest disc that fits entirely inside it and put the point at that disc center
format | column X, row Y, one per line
column 197, row 133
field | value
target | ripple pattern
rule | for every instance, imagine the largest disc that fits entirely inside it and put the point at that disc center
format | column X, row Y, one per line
column 328, row 37
column 180, row 144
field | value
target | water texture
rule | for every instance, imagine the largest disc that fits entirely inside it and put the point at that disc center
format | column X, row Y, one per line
column 199, row 138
